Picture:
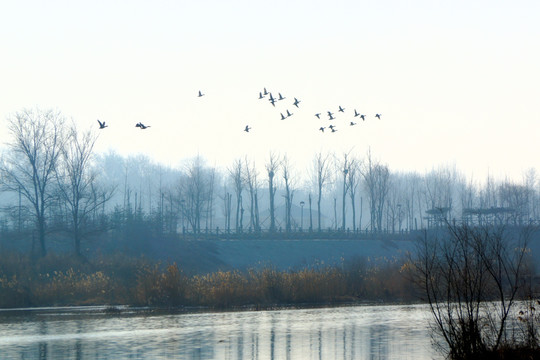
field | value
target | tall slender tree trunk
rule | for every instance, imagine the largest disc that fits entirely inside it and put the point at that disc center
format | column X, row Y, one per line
column 257, row 220
column 310, row 214
column 319, row 211
column 353, row 211
column 272, row 193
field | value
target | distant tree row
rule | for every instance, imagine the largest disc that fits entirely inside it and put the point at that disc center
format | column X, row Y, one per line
column 54, row 185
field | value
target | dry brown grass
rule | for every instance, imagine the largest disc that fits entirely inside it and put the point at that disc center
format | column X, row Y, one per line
column 118, row 279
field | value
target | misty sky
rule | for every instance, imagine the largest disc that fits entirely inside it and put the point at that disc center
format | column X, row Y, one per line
column 456, row 82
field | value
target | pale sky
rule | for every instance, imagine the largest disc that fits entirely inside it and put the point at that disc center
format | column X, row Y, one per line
column 456, row 82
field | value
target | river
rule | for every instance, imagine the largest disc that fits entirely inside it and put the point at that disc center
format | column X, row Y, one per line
column 356, row 332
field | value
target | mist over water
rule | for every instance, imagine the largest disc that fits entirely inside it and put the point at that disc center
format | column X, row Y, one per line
column 362, row 332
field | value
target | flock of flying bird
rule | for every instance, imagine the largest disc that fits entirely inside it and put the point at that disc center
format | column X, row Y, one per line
column 273, row 100
column 140, row 125
column 262, row 95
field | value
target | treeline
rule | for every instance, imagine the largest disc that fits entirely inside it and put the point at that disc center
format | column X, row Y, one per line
column 57, row 280
column 57, row 190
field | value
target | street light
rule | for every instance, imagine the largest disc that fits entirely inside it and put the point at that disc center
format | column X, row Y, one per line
column 302, row 203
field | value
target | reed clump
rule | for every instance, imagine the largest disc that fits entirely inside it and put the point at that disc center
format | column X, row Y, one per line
column 119, row 279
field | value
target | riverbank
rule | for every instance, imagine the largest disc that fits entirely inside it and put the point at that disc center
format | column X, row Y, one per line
column 63, row 280
column 204, row 256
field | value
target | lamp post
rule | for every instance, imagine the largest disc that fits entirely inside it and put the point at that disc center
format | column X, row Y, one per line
column 302, row 203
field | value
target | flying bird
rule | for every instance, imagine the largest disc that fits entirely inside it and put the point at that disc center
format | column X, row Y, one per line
column 289, row 113
column 247, row 128
column 356, row 113
column 322, row 128
column 330, row 115
column 378, row 116
column 265, row 92
column 353, row 123
column 363, row 117
column 102, row 124
column 261, row 95
column 201, row 94
column 281, row 97
column 296, row 102
column 332, row 127
column 142, row 126
column 272, row 100
column 282, row 116
column 341, row 109
column 318, row 115
column 334, row 130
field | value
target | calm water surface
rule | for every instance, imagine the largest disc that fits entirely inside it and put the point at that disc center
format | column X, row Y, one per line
column 360, row 332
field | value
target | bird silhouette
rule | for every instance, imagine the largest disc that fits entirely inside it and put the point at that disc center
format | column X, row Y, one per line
column 318, row 115
column 102, row 124
column 378, row 116
column 334, row 130
column 201, row 94
column 265, row 92
column 296, row 102
column 261, row 95
column 353, row 123
column 247, row 128
column 330, row 115
column 332, row 127
column 142, row 126
column 356, row 113
column 341, row 109
column 289, row 113
column 283, row 117
column 363, row 117
column 272, row 100
column 322, row 128
column 281, row 97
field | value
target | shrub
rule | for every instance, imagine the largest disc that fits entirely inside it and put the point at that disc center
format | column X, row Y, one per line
column 155, row 287
column 471, row 278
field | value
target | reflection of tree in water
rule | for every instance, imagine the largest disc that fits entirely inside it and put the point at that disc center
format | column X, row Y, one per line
column 352, row 333
column 378, row 341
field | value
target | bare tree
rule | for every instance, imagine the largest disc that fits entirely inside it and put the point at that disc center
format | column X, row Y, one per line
column 28, row 167
column 515, row 197
column 227, row 199
column 531, row 182
column 322, row 177
column 376, row 180
column 471, row 277
column 253, row 185
column 271, row 168
column 209, row 213
column 236, row 174
column 439, row 193
column 394, row 203
column 195, row 191
column 353, row 179
column 310, row 214
column 78, row 189
column 343, row 167
column 288, row 180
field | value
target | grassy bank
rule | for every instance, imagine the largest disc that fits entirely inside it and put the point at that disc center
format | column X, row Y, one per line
column 59, row 280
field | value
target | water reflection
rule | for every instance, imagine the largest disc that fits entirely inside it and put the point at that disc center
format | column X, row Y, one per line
column 367, row 332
